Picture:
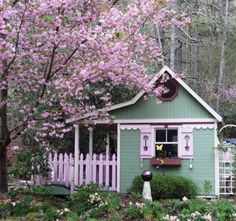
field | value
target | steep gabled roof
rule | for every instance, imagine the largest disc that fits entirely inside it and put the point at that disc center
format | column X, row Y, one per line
column 153, row 81
column 181, row 82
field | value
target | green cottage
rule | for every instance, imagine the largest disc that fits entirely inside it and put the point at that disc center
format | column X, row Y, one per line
column 177, row 136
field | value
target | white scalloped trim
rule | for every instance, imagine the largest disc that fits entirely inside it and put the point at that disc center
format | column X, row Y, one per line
column 204, row 126
column 134, row 126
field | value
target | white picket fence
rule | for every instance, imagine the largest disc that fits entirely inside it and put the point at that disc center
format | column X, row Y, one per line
column 99, row 168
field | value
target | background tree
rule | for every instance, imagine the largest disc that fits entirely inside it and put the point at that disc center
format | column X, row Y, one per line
column 208, row 51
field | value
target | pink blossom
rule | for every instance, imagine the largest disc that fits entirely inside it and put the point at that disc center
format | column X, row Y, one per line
column 60, row 56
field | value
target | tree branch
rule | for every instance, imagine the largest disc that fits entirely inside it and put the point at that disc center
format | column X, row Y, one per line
column 17, row 41
column 187, row 34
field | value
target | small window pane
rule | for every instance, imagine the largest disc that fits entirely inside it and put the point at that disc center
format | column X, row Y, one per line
column 171, row 150
column 171, row 135
column 166, row 150
column 160, row 135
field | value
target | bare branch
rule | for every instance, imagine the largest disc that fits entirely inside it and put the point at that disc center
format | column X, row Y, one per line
column 17, row 41
column 187, row 34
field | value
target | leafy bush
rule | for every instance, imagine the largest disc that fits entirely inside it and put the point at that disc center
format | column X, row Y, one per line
column 84, row 198
column 132, row 212
column 111, row 202
column 5, row 210
column 224, row 210
column 50, row 214
column 17, row 208
column 195, row 209
column 30, row 162
column 166, row 187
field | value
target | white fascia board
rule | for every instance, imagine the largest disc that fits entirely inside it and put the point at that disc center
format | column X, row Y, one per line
column 153, row 121
column 141, row 93
column 71, row 120
column 127, row 103
column 74, row 119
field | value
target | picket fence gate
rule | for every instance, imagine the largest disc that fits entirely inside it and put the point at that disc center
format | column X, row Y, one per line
column 100, row 169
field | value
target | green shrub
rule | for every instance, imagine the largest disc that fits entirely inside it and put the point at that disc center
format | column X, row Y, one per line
column 85, row 198
column 5, row 210
column 17, row 208
column 224, row 210
column 158, row 210
column 195, row 207
column 136, row 186
column 72, row 216
column 96, row 212
column 166, row 187
column 30, row 162
column 111, row 202
column 132, row 212
column 50, row 214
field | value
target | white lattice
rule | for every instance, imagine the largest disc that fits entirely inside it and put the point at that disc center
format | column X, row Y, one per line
column 226, row 173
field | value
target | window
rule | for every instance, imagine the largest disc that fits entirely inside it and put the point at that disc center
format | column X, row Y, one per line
column 170, row 85
column 166, row 143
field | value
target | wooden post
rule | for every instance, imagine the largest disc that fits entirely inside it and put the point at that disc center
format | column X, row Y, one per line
column 76, row 156
column 90, row 153
column 107, row 144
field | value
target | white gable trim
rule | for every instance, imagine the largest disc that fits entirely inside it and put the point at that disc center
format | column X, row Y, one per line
column 141, row 93
column 181, row 82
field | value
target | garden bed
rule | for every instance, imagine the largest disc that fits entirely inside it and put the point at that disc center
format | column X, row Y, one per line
column 89, row 203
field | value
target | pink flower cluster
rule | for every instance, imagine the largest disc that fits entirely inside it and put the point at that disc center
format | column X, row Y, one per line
column 57, row 57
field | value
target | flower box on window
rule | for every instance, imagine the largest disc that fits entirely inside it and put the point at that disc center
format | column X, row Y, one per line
column 165, row 161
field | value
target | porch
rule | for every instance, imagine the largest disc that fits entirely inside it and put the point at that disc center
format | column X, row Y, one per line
column 84, row 165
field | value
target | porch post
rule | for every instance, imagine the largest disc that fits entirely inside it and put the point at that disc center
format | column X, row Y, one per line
column 90, row 129
column 76, row 156
column 118, row 157
column 217, row 169
column 107, row 144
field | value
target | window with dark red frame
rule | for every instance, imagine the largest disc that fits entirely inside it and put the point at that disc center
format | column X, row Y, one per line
column 171, row 86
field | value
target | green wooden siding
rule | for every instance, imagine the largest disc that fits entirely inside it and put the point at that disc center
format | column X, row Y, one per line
column 129, row 157
column 183, row 106
column 203, row 163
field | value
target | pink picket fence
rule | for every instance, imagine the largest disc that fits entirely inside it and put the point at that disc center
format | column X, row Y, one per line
column 99, row 168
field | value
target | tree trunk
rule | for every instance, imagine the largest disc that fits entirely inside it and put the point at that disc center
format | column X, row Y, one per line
column 194, row 51
column 176, row 44
column 3, row 169
column 225, row 7
column 160, row 41
column 172, row 49
column 4, row 139
column 178, row 51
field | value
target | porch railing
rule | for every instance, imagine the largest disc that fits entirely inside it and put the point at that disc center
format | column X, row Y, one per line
column 99, row 168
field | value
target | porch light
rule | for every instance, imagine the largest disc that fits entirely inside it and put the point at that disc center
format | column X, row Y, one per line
column 187, row 138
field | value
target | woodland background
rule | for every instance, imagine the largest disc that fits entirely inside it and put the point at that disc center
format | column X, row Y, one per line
column 205, row 53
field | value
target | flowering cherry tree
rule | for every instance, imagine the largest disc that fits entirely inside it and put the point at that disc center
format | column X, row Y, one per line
column 63, row 58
